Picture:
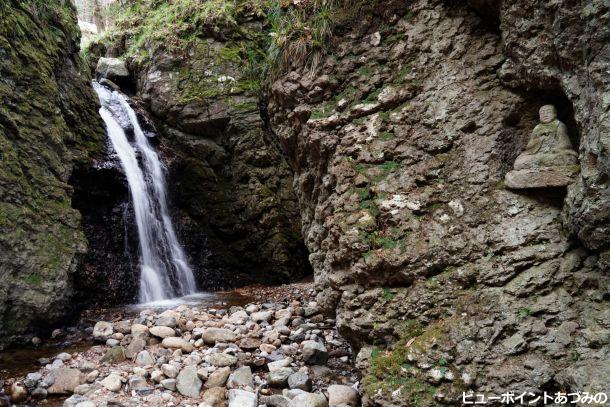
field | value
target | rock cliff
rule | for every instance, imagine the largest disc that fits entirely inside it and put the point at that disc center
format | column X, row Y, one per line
column 444, row 279
column 48, row 125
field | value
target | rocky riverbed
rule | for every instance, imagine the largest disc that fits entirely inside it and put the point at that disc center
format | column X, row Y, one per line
column 277, row 353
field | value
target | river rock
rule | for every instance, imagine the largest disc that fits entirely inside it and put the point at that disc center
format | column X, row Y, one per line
column 91, row 376
column 170, row 370
column 239, row 317
column 314, row 353
column 112, row 382
column 18, row 393
column 174, row 342
column 249, row 343
column 342, row 395
column 139, row 331
column 218, row 378
column 279, row 377
column 242, row 398
column 123, row 327
column 32, row 380
column 276, row 401
column 241, row 377
column 167, row 319
column 221, row 359
column 169, row 384
column 212, row 335
column 136, row 346
column 102, row 331
column 261, row 316
column 188, row 382
column 64, row 380
column 309, row 400
column 74, row 400
column 214, row 397
column 162, row 331
column 114, row 355
column 299, row 380
column 279, row 364
column 144, row 358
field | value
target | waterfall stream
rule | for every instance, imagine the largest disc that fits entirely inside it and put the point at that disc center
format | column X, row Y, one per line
column 164, row 269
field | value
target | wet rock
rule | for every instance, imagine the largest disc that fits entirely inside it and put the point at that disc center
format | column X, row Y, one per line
column 299, row 380
column 188, row 382
column 242, row 398
column 102, row 331
column 221, row 359
column 64, row 380
column 112, row 382
column 314, row 353
column 212, row 335
column 162, row 331
column 218, row 378
column 342, row 395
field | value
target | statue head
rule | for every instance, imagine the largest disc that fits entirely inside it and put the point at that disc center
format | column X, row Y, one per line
column 548, row 113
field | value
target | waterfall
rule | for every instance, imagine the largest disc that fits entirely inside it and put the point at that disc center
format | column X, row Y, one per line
column 164, row 269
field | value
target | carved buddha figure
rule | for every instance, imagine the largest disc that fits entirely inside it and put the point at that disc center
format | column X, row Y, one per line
column 549, row 144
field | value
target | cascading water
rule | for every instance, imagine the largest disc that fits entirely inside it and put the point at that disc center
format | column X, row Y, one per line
column 164, row 269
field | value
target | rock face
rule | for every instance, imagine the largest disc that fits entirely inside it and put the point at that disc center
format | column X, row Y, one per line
column 229, row 180
column 48, row 126
column 400, row 142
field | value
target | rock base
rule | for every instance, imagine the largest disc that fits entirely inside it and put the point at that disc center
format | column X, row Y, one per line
column 550, row 177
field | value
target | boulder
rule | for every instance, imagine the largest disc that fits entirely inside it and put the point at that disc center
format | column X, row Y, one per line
column 111, row 68
column 309, row 400
column 188, row 382
column 114, row 355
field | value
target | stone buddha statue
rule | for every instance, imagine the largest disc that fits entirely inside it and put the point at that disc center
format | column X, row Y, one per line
column 549, row 159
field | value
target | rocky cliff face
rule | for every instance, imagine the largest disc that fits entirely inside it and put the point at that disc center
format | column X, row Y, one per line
column 48, row 124
column 237, row 214
column 445, row 280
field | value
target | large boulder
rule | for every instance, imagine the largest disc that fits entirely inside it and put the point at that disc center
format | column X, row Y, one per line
column 112, row 68
column 64, row 380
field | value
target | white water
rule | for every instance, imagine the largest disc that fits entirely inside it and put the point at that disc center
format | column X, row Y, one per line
column 164, row 269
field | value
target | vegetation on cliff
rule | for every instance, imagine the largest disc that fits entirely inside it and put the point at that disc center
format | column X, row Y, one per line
column 48, row 123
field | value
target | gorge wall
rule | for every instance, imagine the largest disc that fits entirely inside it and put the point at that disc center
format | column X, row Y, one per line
column 400, row 141
column 48, row 125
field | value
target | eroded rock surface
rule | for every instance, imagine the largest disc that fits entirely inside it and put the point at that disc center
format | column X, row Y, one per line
column 400, row 142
